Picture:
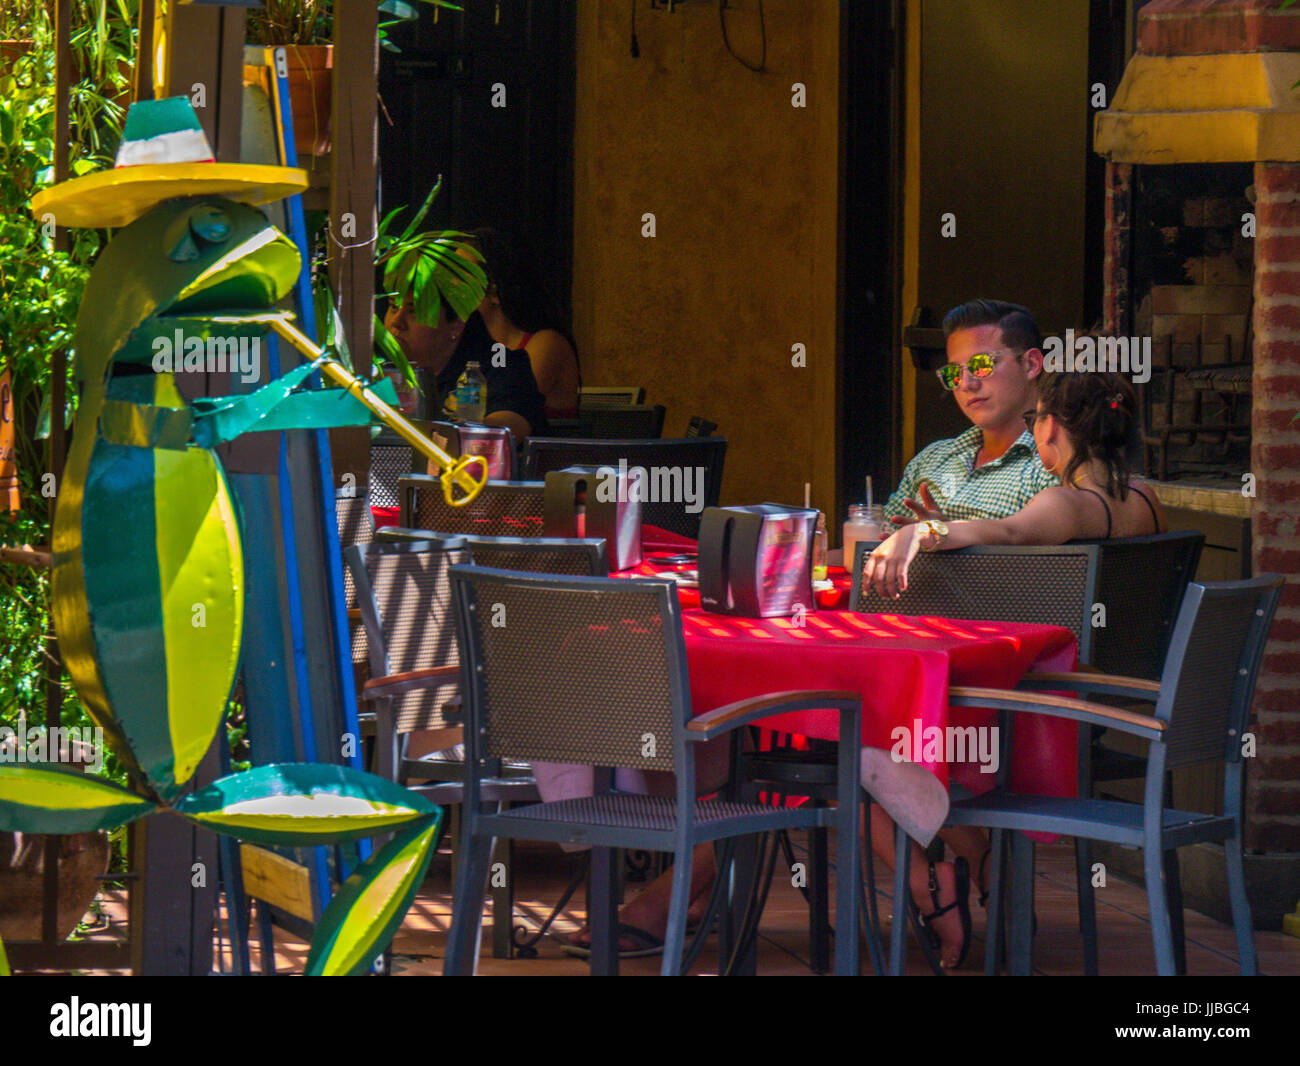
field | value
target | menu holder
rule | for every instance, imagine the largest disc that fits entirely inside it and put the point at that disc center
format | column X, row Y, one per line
column 757, row 561
column 591, row 501
column 495, row 443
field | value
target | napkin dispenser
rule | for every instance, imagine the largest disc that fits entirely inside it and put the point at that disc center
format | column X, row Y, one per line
column 495, row 443
column 591, row 501
column 757, row 561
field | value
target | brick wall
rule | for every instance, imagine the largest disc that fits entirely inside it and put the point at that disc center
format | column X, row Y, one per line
column 1273, row 815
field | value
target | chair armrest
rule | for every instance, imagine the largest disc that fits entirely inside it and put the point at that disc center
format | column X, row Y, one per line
column 724, row 719
column 395, row 684
column 1137, row 688
column 1002, row 699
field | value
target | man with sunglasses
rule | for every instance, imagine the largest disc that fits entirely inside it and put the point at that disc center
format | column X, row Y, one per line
column 440, row 354
column 991, row 470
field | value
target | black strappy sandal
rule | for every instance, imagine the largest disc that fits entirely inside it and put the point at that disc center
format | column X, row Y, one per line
column 980, row 880
column 962, row 903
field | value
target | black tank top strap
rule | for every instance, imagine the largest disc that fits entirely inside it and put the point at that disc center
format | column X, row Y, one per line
column 1155, row 522
column 1104, row 504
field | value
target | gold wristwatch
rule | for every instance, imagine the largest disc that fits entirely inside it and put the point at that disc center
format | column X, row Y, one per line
column 932, row 527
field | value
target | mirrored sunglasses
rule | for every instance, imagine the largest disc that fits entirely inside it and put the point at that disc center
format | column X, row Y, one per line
column 980, row 365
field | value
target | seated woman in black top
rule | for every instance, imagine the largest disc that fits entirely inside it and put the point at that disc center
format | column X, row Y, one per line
column 440, row 354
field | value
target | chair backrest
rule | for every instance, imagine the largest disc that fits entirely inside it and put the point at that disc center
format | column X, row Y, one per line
column 572, row 669
column 1043, row 585
column 356, row 526
column 673, row 466
column 1140, row 583
column 501, row 509
column 390, row 459
column 632, row 422
column 611, row 395
column 579, row 556
column 404, row 592
column 1214, row 659
column 584, row 556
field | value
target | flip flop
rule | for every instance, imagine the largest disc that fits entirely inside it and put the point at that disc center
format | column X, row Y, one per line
column 650, row 944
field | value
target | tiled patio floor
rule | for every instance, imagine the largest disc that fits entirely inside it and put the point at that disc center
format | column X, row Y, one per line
column 1124, row 945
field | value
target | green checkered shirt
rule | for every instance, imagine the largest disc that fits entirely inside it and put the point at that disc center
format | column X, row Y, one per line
column 997, row 489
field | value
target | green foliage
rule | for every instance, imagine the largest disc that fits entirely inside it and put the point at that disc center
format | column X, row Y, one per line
column 290, row 22
column 431, row 268
column 40, row 291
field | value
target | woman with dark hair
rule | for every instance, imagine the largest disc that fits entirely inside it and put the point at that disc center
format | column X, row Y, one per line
column 1082, row 426
column 517, row 314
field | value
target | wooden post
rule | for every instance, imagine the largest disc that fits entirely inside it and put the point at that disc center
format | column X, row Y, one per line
column 353, row 168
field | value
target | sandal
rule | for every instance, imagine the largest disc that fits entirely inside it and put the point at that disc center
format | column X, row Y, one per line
column 647, row 944
column 979, row 877
column 962, row 905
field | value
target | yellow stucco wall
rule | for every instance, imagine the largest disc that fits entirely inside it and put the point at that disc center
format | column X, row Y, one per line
column 744, row 188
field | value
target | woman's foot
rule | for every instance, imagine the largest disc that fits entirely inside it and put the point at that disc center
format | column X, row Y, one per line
column 942, row 897
column 648, row 912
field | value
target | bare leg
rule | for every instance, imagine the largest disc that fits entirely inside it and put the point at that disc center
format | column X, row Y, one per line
column 948, row 927
column 972, row 844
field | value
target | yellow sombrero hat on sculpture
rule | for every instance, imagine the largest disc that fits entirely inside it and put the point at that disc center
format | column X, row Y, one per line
column 164, row 154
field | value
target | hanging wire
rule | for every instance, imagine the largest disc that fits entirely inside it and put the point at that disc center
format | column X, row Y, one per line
column 762, row 27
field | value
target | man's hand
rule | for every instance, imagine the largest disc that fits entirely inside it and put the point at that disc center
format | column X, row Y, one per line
column 925, row 510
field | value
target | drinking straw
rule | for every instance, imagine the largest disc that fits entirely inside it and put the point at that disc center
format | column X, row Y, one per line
column 868, row 492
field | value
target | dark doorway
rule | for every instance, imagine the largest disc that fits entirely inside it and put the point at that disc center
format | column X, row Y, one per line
column 872, row 277
column 485, row 98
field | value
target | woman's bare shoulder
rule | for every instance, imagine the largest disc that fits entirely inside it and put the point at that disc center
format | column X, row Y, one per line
column 549, row 342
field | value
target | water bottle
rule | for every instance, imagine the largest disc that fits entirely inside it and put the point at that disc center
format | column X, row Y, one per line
column 470, row 395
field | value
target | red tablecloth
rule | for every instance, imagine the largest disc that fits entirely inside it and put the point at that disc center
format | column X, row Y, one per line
column 903, row 666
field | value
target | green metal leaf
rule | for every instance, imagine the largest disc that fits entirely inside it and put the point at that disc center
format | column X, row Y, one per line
column 368, row 909
column 302, row 804
column 59, row 801
column 4, row 961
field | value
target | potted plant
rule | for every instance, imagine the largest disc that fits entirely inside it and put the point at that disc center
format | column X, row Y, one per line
column 433, row 266
column 305, row 28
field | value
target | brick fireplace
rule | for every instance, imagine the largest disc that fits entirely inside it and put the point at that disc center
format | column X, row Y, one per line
column 1209, row 92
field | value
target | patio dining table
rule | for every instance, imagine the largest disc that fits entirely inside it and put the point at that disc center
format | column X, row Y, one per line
column 903, row 666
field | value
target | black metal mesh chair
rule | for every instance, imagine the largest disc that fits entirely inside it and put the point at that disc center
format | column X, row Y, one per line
column 580, row 556
column 611, row 395
column 680, row 456
column 390, row 459
column 1053, row 585
column 593, row 670
column 501, row 509
column 404, row 592
column 356, row 526
column 1141, row 582
column 631, row 422
column 1045, row 585
column 1202, row 705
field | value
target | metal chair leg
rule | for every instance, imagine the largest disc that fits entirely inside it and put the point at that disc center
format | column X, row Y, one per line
column 602, row 916
column 1174, row 894
column 467, row 906
column 902, row 898
column 1158, row 904
column 1087, row 904
column 1241, row 921
column 995, row 941
column 1021, row 961
column 679, row 899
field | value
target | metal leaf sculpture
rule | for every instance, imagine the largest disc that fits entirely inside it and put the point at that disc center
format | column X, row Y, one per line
column 148, row 578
